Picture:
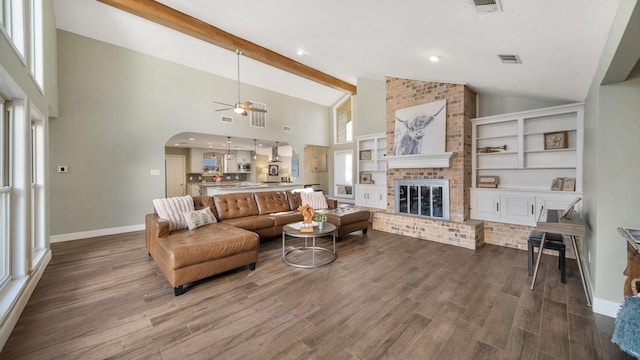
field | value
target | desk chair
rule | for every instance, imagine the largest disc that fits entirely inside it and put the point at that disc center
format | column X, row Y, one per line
column 552, row 242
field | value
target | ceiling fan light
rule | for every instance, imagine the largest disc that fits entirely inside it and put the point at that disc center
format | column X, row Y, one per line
column 238, row 110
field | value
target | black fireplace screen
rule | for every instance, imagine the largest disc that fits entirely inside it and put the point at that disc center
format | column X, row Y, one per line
column 423, row 198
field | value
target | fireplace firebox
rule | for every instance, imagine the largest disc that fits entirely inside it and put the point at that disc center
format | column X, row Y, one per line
column 422, row 197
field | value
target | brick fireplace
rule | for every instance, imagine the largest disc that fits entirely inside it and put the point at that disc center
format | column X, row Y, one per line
column 460, row 109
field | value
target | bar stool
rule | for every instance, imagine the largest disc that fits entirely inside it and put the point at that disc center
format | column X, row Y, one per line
column 551, row 242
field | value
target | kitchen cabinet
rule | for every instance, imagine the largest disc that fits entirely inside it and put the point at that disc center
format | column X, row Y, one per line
column 231, row 163
column 244, row 157
column 195, row 162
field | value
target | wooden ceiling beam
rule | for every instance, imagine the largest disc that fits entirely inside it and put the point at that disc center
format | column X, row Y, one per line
column 176, row 20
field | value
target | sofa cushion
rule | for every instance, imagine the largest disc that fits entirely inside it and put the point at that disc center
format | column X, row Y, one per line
column 286, row 217
column 315, row 199
column 197, row 218
column 214, row 241
column 172, row 209
column 252, row 222
column 294, row 199
column 271, row 202
column 235, row 205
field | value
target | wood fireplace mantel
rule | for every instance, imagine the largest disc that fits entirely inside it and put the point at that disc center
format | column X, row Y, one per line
column 419, row 161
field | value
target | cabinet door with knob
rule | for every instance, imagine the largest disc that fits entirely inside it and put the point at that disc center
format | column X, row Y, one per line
column 371, row 196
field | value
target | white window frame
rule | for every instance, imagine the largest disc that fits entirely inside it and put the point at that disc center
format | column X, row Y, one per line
column 5, row 195
column 38, row 240
column 349, row 126
column 36, row 55
column 13, row 24
column 343, row 174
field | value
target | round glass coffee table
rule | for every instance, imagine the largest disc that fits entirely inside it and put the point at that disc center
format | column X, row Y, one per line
column 308, row 256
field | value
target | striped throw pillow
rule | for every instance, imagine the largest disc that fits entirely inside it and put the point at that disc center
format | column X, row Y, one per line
column 315, row 199
column 173, row 209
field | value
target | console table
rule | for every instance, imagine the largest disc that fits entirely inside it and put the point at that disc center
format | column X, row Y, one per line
column 551, row 221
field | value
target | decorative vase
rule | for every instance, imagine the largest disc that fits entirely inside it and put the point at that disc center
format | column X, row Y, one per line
column 321, row 225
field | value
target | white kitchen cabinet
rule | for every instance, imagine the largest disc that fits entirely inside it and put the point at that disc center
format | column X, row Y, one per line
column 371, row 196
column 485, row 205
column 231, row 163
column 244, row 157
column 195, row 161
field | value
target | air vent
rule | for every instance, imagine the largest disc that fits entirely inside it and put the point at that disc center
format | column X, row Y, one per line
column 487, row 5
column 258, row 119
column 510, row 59
column 226, row 119
column 287, row 128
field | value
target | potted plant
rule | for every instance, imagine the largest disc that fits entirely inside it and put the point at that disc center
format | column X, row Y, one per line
column 320, row 218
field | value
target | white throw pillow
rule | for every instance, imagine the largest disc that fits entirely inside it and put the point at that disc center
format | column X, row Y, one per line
column 173, row 209
column 197, row 218
column 315, row 199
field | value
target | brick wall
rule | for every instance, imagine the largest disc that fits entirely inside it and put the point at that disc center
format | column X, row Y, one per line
column 514, row 236
column 461, row 108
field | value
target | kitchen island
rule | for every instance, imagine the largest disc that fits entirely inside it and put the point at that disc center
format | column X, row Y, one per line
column 211, row 189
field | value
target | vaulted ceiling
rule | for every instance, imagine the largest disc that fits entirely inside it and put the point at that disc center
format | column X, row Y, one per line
column 558, row 42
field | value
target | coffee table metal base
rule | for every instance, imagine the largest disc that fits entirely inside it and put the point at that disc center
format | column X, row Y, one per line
column 319, row 255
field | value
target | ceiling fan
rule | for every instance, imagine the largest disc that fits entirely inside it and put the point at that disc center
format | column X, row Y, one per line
column 241, row 107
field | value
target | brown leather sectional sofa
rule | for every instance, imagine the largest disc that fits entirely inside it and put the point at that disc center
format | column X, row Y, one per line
column 185, row 256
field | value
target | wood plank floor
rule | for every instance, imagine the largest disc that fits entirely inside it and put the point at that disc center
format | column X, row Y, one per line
column 385, row 297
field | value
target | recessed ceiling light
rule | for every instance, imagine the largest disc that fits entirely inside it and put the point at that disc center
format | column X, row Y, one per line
column 192, row 139
column 435, row 58
column 300, row 52
column 176, row 144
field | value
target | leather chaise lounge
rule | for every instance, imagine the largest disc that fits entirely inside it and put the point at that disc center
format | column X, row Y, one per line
column 233, row 239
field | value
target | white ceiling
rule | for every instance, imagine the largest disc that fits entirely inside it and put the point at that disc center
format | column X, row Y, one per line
column 559, row 42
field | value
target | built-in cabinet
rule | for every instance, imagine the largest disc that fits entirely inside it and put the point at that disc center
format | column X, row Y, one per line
column 195, row 160
column 516, row 206
column 371, row 188
column 526, row 151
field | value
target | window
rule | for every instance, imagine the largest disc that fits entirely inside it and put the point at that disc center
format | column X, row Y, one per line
column 38, row 238
column 5, row 192
column 13, row 22
column 37, row 48
column 343, row 121
column 343, row 173
column 258, row 119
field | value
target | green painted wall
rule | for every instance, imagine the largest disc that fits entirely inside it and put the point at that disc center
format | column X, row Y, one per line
column 117, row 110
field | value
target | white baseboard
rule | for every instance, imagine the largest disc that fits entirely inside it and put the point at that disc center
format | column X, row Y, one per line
column 95, row 233
column 605, row 307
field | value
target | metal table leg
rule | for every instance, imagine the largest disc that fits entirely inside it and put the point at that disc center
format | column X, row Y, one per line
column 540, row 251
column 584, row 283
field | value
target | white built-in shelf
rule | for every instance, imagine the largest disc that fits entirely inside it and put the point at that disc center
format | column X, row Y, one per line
column 371, row 188
column 525, row 169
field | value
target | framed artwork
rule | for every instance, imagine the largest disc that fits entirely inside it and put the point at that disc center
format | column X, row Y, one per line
column 365, row 154
column 273, row 170
column 569, row 184
column 365, row 178
column 421, row 129
column 556, row 184
column 555, row 140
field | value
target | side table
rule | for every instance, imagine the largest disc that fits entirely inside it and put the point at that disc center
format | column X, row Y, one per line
column 301, row 253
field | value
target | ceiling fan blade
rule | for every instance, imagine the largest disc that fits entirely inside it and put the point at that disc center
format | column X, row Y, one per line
column 246, row 104
column 255, row 110
column 224, row 109
column 225, row 104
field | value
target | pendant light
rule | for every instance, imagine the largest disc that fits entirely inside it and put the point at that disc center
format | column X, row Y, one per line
column 228, row 147
column 255, row 150
column 276, row 157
